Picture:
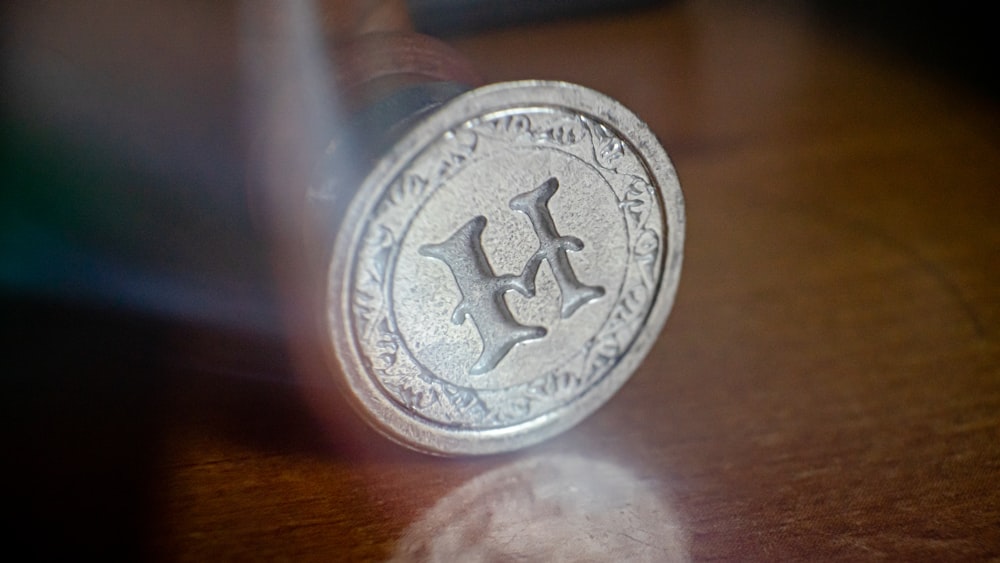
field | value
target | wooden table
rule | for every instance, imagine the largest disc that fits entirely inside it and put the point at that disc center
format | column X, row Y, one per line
column 827, row 387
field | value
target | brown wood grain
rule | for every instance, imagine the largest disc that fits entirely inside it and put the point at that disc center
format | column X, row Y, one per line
column 827, row 387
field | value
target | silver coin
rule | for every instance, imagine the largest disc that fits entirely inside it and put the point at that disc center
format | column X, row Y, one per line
column 504, row 268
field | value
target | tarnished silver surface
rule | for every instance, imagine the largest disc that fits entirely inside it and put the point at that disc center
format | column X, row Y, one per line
column 504, row 268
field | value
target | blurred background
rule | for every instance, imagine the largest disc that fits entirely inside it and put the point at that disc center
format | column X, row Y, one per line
column 124, row 143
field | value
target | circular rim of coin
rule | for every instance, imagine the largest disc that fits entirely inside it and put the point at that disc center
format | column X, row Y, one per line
column 384, row 410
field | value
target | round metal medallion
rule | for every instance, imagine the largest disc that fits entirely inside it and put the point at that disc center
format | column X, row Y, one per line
column 504, row 268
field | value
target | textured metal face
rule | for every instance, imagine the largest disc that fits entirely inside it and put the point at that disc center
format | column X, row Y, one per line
column 504, row 269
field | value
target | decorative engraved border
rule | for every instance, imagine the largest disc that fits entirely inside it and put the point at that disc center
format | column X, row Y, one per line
column 384, row 354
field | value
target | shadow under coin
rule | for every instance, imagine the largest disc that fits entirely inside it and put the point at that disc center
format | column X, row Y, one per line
column 562, row 508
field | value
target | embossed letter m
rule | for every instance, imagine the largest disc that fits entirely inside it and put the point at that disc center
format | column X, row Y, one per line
column 483, row 291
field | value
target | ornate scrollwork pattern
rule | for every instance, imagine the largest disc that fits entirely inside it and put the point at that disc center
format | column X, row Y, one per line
column 377, row 336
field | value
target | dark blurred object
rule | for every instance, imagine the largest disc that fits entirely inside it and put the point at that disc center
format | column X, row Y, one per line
column 121, row 163
column 459, row 17
column 80, row 400
column 955, row 39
